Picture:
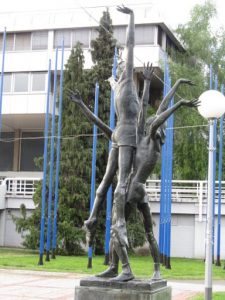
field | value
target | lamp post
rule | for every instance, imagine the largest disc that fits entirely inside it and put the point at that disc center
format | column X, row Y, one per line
column 212, row 106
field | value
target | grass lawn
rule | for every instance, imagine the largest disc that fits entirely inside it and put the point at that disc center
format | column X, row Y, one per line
column 142, row 266
column 216, row 296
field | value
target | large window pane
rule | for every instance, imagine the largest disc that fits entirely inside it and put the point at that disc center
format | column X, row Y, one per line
column 60, row 36
column 81, row 35
column 31, row 147
column 21, row 82
column 6, row 151
column 120, row 34
column 94, row 34
column 9, row 42
column 7, row 82
column 160, row 33
column 23, row 41
column 144, row 34
column 40, row 40
column 38, row 82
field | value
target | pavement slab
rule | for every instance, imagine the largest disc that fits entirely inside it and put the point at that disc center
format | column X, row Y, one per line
column 40, row 285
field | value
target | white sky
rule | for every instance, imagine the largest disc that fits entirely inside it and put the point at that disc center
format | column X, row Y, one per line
column 173, row 11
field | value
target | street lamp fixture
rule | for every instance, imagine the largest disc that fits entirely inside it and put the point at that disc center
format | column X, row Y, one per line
column 212, row 106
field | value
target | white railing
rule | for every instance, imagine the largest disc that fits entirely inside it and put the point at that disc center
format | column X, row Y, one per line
column 20, row 186
column 184, row 190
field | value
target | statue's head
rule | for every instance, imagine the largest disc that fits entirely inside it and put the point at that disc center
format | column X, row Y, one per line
column 120, row 68
column 148, row 123
column 161, row 131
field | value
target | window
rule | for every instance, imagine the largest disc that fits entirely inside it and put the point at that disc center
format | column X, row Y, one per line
column 30, row 149
column 7, row 82
column 144, row 34
column 38, row 81
column 81, row 35
column 40, row 40
column 120, row 34
column 10, row 39
column 9, row 42
column 60, row 36
column 94, row 34
column 160, row 32
column 6, row 152
column 23, row 41
column 21, row 82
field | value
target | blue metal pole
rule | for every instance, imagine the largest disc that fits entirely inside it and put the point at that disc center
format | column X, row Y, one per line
column 43, row 195
column 162, row 197
column 2, row 77
column 167, row 177
column 54, row 237
column 109, row 193
column 93, row 172
column 170, row 175
column 218, row 263
column 51, row 161
column 163, row 183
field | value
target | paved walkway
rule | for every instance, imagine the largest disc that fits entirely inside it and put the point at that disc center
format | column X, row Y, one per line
column 34, row 285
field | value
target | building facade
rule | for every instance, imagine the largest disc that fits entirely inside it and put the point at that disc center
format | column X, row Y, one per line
column 32, row 39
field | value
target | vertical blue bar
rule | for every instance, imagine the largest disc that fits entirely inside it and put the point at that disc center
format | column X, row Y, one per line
column 170, row 175
column 2, row 77
column 109, row 193
column 163, row 195
column 94, row 150
column 168, row 181
column 220, row 186
column 43, row 195
column 51, row 160
column 54, row 239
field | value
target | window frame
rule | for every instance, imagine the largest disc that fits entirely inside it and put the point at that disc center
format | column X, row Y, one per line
column 20, row 33
column 31, row 82
column 32, row 38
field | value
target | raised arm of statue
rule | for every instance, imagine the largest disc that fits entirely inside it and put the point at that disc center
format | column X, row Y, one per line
column 165, row 102
column 147, row 74
column 76, row 97
column 129, row 60
column 161, row 118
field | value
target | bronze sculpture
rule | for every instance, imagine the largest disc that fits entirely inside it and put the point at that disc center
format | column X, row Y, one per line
column 132, row 132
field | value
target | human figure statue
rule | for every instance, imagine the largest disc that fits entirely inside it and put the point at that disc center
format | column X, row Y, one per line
column 148, row 150
column 127, row 135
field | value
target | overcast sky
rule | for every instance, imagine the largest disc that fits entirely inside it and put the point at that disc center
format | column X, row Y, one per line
column 173, row 11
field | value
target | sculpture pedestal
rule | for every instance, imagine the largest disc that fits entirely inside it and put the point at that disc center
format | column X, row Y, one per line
column 94, row 288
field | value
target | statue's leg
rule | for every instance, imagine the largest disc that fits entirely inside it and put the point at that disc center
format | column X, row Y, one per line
column 112, row 271
column 112, row 166
column 147, row 219
column 119, row 232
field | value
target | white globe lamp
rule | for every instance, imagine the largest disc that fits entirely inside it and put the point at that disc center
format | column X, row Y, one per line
column 212, row 104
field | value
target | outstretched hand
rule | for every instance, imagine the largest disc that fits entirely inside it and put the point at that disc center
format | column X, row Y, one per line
column 148, row 71
column 191, row 103
column 186, row 81
column 74, row 95
column 124, row 9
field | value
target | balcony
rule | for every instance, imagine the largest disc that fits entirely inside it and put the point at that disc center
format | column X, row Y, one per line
column 25, row 111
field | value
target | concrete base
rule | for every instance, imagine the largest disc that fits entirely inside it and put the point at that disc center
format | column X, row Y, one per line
column 104, row 289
